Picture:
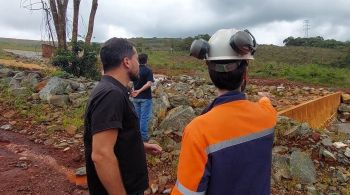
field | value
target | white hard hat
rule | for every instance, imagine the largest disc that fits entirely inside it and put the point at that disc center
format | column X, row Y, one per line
column 231, row 44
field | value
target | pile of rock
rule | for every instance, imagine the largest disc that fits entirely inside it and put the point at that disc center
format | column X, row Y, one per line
column 308, row 161
column 53, row 90
column 344, row 108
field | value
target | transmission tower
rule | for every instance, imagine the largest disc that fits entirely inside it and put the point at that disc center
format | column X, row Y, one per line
column 306, row 28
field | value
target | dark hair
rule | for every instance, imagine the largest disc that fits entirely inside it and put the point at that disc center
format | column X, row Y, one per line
column 114, row 51
column 143, row 58
column 228, row 80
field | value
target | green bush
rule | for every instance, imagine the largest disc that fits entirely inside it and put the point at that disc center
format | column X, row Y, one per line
column 80, row 60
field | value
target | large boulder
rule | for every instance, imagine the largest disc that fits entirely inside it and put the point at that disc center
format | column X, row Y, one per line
column 16, row 80
column 177, row 119
column 55, row 86
column 302, row 168
column 31, row 80
column 178, row 100
column 181, row 87
column 280, row 167
column 160, row 106
column 58, row 100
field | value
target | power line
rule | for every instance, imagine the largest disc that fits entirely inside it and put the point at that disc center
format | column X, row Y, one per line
column 306, row 28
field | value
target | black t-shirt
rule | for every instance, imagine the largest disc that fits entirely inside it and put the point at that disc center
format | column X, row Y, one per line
column 110, row 108
column 146, row 75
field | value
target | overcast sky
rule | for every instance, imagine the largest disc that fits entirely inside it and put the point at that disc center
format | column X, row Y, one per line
column 271, row 21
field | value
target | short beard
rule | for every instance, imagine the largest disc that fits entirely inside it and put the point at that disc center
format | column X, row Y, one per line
column 133, row 77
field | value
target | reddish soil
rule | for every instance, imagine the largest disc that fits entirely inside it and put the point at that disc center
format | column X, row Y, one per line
column 29, row 168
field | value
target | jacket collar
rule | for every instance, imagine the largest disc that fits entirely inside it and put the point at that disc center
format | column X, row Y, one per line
column 225, row 98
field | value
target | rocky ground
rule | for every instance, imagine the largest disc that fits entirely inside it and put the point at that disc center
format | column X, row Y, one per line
column 41, row 134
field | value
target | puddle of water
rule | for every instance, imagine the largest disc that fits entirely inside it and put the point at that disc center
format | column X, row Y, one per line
column 75, row 179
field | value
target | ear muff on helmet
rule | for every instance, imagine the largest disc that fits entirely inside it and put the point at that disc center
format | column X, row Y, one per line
column 243, row 42
column 199, row 49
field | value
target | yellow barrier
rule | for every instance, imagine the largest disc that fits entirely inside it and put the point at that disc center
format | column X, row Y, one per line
column 317, row 112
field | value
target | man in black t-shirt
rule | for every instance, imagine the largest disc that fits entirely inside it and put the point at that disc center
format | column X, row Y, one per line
column 114, row 151
column 143, row 96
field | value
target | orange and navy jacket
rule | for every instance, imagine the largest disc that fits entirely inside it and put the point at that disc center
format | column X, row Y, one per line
column 228, row 149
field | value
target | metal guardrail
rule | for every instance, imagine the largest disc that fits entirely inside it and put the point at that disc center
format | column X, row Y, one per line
column 318, row 112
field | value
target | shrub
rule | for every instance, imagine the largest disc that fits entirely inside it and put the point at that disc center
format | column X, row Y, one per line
column 81, row 60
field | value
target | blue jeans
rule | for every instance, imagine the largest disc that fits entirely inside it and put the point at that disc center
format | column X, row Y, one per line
column 143, row 109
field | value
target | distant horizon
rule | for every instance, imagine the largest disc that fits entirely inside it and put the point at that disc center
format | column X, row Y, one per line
column 269, row 21
column 151, row 38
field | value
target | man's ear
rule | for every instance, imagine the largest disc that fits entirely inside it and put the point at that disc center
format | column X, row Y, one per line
column 126, row 62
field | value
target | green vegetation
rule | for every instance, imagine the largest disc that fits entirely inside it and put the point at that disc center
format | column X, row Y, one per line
column 327, row 64
column 20, row 44
column 74, row 116
column 315, row 42
column 309, row 73
column 20, row 103
column 39, row 111
column 81, row 60
column 175, row 63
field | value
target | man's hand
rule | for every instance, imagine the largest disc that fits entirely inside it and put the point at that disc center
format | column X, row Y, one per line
column 153, row 149
column 135, row 93
column 144, row 87
column 264, row 94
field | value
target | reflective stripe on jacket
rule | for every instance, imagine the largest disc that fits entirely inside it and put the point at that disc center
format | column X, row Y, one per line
column 228, row 150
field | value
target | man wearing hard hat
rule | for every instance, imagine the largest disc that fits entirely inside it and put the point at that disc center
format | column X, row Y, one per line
column 228, row 148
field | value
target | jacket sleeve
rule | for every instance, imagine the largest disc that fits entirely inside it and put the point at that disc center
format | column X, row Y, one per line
column 191, row 177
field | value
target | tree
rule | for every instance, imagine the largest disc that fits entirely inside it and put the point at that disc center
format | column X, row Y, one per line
column 76, row 5
column 91, row 21
column 287, row 40
column 56, row 13
column 59, row 13
column 80, row 59
column 203, row 36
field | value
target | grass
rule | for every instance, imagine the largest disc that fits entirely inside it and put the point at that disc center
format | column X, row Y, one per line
column 20, row 44
column 20, row 103
column 175, row 63
column 309, row 73
column 292, row 55
column 74, row 116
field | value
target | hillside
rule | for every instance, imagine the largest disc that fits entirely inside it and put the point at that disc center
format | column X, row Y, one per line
column 265, row 54
column 297, row 63
column 20, row 44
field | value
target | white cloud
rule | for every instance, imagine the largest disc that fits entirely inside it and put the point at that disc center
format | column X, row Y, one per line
column 275, row 32
column 271, row 21
column 115, row 31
